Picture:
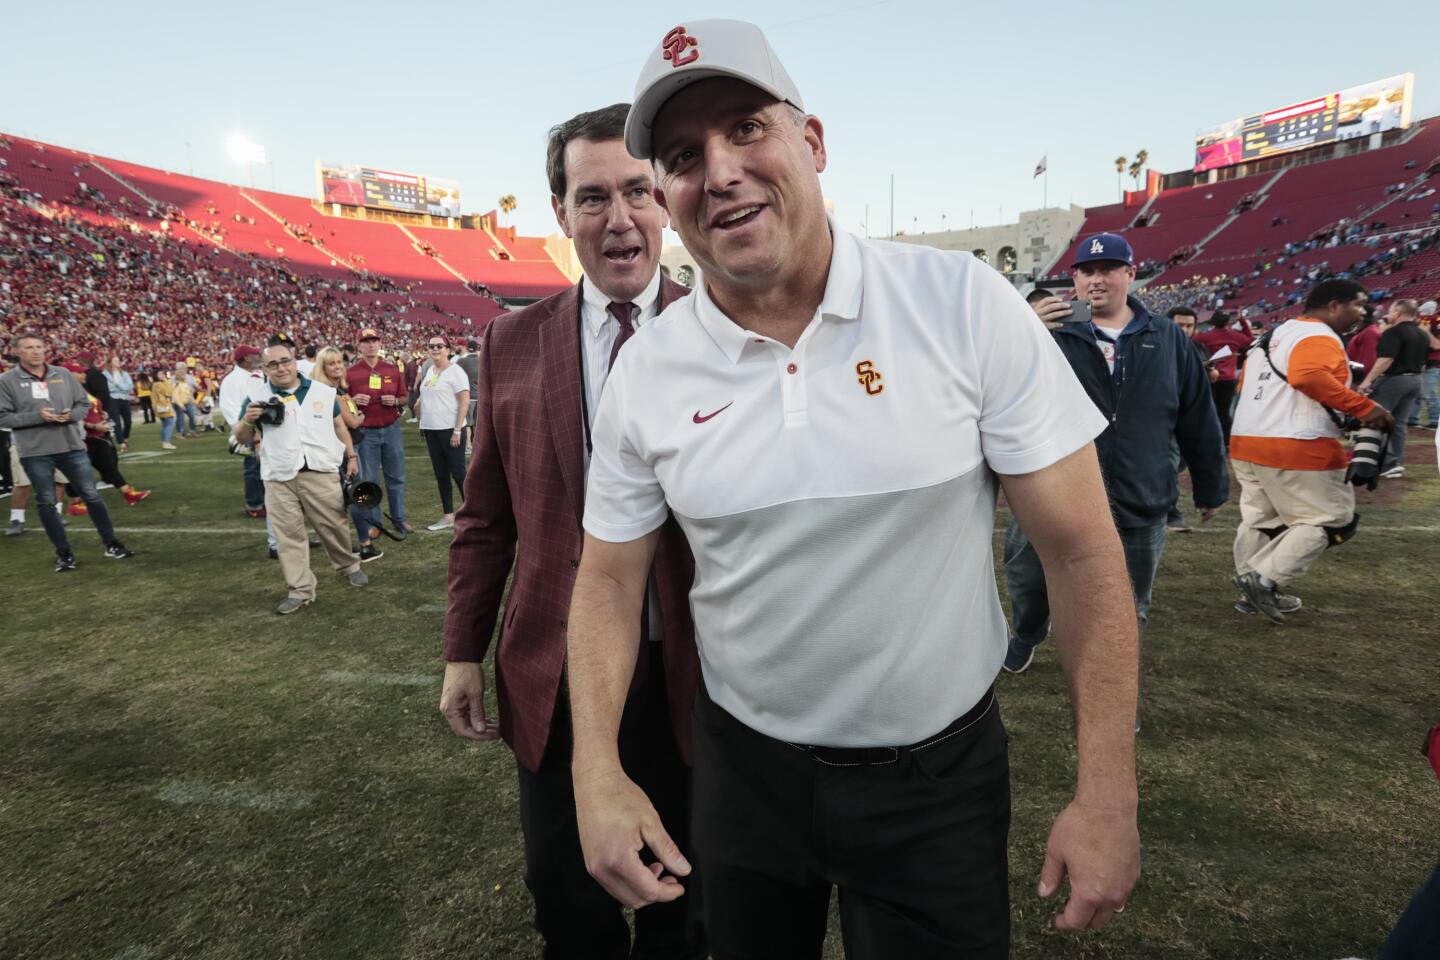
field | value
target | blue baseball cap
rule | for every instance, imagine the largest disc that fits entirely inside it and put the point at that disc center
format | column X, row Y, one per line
column 1105, row 246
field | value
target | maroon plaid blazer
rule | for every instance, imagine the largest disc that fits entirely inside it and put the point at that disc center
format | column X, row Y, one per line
column 526, row 488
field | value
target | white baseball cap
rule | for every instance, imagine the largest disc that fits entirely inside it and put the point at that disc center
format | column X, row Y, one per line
column 699, row 50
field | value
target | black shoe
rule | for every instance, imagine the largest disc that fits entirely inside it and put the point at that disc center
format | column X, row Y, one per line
column 1260, row 597
column 274, row 554
column 117, row 551
column 368, row 553
column 314, row 543
column 64, row 562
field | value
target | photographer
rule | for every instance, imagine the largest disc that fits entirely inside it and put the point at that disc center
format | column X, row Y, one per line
column 1286, row 447
column 306, row 442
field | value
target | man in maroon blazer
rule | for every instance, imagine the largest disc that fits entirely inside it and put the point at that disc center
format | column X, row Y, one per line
column 541, row 373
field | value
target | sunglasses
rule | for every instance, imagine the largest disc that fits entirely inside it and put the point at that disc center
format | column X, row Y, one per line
column 437, row 346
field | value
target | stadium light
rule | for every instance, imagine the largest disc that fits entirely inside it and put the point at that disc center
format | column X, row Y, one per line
column 244, row 150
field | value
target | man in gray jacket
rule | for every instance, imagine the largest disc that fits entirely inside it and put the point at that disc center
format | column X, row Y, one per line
column 44, row 407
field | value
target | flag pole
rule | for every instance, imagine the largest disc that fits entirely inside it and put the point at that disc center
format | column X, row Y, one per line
column 1046, row 204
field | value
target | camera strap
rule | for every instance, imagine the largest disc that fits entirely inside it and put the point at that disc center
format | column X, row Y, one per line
column 1264, row 344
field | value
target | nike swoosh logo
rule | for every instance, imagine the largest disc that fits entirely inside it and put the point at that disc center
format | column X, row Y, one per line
column 709, row 416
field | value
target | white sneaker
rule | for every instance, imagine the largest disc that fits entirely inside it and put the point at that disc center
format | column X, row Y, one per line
column 1394, row 473
column 444, row 523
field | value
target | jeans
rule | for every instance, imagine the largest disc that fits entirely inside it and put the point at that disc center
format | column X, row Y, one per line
column 448, row 462
column 1025, row 579
column 167, row 428
column 1429, row 402
column 381, row 448
column 254, row 486
column 1176, row 516
column 192, row 413
column 76, row 467
column 1398, row 394
column 120, row 414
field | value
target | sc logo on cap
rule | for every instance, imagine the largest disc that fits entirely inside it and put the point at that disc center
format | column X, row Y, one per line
column 675, row 43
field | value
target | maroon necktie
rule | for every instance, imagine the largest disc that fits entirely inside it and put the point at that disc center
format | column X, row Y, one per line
column 621, row 312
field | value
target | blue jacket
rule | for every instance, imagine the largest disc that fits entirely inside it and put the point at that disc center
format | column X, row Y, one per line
column 1159, row 389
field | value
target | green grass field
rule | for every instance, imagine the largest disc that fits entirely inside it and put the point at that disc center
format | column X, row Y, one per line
column 183, row 774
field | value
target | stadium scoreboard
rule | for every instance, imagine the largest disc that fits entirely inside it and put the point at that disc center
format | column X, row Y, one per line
column 1350, row 113
column 360, row 186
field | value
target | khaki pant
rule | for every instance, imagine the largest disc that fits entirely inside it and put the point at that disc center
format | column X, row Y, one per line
column 314, row 497
column 1303, row 501
column 18, row 477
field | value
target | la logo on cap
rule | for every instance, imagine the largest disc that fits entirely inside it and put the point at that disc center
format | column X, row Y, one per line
column 1096, row 246
column 675, row 44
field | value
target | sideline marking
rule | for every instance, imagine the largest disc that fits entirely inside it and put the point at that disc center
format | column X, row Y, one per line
column 431, row 608
column 380, row 679
column 236, row 795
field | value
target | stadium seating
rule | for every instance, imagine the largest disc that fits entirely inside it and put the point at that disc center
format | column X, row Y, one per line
column 1257, row 242
column 249, row 260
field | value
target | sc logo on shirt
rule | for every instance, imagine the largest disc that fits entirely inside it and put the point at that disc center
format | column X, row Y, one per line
column 869, row 377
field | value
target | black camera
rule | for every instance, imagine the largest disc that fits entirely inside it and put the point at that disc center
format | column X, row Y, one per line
column 272, row 411
column 359, row 493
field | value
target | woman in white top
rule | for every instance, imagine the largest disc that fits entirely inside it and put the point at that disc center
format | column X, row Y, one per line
column 444, row 401
column 121, row 389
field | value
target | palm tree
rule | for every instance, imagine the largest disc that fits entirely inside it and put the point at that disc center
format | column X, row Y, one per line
column 1119, row 172
column 1138, row 167
column 507, row 204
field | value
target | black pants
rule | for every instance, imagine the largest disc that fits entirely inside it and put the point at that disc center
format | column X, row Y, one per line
column 448, row 463
column 147, row 410
column 1223, row 391
column 917, row 846
column 573, row 913
column 102, row 457
column 6, row 480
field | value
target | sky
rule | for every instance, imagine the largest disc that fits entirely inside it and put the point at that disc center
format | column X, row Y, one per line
column 957, row 101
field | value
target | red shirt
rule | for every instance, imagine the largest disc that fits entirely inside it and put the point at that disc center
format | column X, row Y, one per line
column 1212, row 340
column 1362, row 347
column 380, row 380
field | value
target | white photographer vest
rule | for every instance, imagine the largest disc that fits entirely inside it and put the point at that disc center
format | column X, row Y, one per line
column 1270, row 407
column 306, row 438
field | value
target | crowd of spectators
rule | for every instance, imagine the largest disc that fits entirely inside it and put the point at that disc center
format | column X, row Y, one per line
column 108, row 277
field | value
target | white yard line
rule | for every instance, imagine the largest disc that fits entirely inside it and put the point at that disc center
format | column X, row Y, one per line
column 367, row 678
column 232, row 795
column 431, row 608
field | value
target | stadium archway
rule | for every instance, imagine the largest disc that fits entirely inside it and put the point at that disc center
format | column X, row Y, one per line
column 1008, row 260
column 982, row 254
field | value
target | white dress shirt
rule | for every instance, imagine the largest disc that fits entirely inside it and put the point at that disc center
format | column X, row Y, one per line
column 598, row 330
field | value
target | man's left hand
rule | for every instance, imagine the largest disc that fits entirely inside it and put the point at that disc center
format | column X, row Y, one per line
column 1208, row 513
column 1099, row 850
column 387, row 400
column 455, row 438
column 352, row 466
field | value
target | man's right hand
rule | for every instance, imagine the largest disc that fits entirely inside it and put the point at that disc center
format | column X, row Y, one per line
column 616, row 821
column 361, row 399
column 252, row 413
column 1052, row 311
column 462, row 701
column 1378, row 419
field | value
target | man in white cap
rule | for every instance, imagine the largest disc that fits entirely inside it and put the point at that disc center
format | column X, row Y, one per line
column 826, row 418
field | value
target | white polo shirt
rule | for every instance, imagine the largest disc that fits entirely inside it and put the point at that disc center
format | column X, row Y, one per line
column 839, row 497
